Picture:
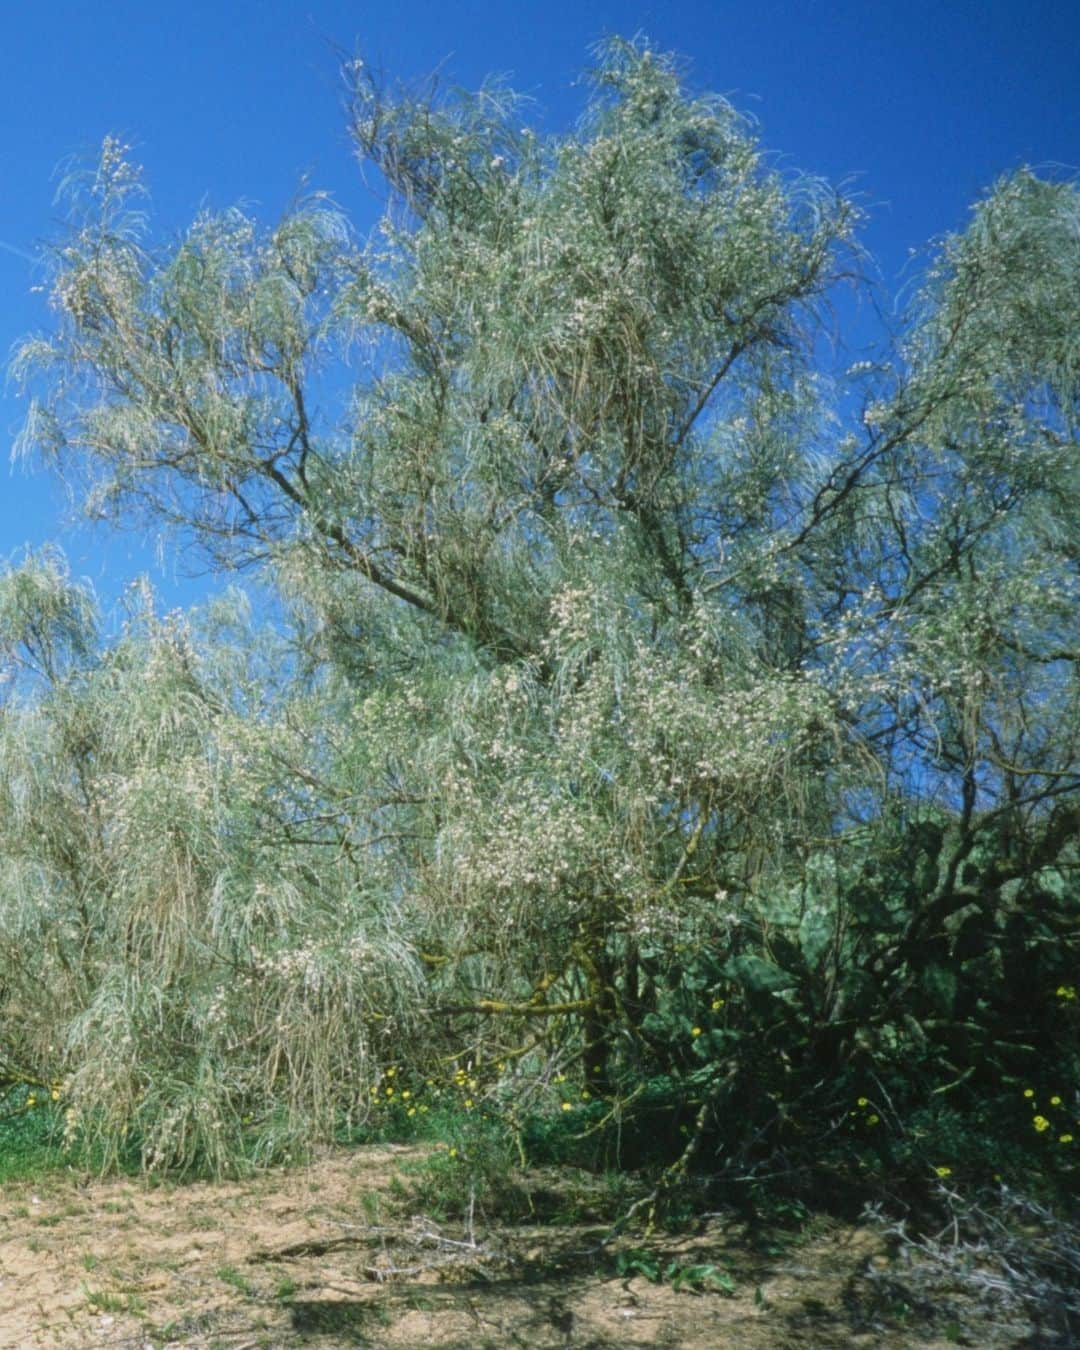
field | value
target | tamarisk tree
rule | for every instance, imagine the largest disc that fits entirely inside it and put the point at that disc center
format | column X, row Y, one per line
column 686, row 702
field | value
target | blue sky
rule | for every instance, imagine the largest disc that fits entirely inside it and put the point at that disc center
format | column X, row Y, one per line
column 917, row 105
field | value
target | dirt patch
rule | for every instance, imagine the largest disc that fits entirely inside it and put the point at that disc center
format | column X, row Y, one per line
column 328, row 1255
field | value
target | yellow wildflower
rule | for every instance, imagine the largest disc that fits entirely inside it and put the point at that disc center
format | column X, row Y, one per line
column 943, row 1171
column 1041, row 1123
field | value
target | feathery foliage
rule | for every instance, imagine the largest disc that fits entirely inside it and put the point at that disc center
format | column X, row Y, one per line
column 656, row 708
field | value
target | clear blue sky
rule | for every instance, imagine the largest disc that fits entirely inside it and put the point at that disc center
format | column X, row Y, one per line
column 922, row 103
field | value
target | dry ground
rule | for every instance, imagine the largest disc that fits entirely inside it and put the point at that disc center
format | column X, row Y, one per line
column 328, row 1255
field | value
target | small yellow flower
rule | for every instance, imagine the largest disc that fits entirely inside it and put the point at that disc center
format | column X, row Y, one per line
column 566, row 1106
column 55, row 1094
column 1065, row 1138
column 31, row 1100
column 390, row 1073
column 389, row 1092
column 872, row 1120
column 406, row 1095
column 717, row 1004
column 1041, row 1123
column 863, row 1101
column 453, row 1153
column 943, row 1171
column 695, row 1031
column 585, row 1094
column 1029, row 1092
column 468, row 1103
column 411, row 1111
column 1055, row 1101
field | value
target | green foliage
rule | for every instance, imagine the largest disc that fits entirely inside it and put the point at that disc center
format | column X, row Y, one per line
column 31, row 1134
column 696, row 1278
column 470, row 1175
column 648, row 759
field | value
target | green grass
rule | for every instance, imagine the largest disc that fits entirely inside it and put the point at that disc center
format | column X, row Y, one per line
column 102, row 1300
column 231, row 1276
column 31, row 1137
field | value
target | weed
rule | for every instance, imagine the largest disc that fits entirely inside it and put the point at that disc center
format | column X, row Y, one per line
column 694, row 1277
column 31, row 1136
column 102, row 1300
column 470, row 1171
column 231, row 1276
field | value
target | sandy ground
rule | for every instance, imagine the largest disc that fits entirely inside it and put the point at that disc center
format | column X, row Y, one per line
column 327, row 1255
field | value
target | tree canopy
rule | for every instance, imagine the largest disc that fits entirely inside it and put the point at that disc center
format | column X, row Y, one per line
column 652, row 702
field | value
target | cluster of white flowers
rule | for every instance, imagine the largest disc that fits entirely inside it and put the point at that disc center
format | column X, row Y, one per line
column 571, row 616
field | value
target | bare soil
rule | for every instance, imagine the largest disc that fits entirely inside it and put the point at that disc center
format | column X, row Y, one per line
column 330, row 1255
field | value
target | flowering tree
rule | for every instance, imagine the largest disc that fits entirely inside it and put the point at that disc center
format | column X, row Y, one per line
column 673, row 700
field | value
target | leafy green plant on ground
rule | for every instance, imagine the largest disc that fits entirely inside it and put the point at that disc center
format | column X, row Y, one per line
column 694, row 1277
